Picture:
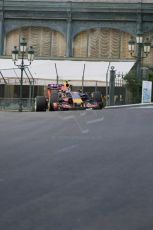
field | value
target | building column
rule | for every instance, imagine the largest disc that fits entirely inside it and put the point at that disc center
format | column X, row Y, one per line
column 2, row 29
column 69, row 34
column 1, row 37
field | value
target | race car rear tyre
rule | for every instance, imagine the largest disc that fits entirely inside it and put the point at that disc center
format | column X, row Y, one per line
column 40, row 104
column 97, row 96
column 53, row 99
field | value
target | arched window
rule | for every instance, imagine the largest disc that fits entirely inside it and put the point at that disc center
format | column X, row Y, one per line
column 46, row 42
column 101, row 43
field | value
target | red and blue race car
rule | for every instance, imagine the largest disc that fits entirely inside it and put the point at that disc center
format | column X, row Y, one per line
column 60, row 97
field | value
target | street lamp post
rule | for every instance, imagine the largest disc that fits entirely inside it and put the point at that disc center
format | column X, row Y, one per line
column 15, row 55
column 139, row 49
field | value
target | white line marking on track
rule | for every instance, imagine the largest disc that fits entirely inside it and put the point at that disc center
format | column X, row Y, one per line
column 67, row 148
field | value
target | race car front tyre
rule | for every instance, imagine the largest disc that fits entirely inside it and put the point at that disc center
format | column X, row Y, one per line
column 40, row 104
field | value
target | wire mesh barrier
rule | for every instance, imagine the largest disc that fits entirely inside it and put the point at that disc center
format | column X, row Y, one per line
column 13, row 104
column 86, row 76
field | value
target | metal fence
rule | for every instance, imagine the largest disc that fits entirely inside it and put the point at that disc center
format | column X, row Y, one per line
column 13, row 104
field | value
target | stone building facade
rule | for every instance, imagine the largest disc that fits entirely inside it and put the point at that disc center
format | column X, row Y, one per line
column 84, row 29
column 97, row 29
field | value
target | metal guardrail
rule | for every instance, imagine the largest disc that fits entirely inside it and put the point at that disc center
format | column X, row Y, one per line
column 12, row 104
column 139, row 105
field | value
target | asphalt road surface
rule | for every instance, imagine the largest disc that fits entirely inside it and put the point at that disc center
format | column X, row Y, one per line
column 78, row 170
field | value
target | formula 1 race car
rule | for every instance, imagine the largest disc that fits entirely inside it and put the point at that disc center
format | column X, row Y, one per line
column 60, row 97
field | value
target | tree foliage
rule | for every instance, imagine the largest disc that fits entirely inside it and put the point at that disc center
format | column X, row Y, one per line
column 150, row 76
column 134, row 85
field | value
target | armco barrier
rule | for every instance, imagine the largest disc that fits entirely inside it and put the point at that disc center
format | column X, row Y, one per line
column 130, row 106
